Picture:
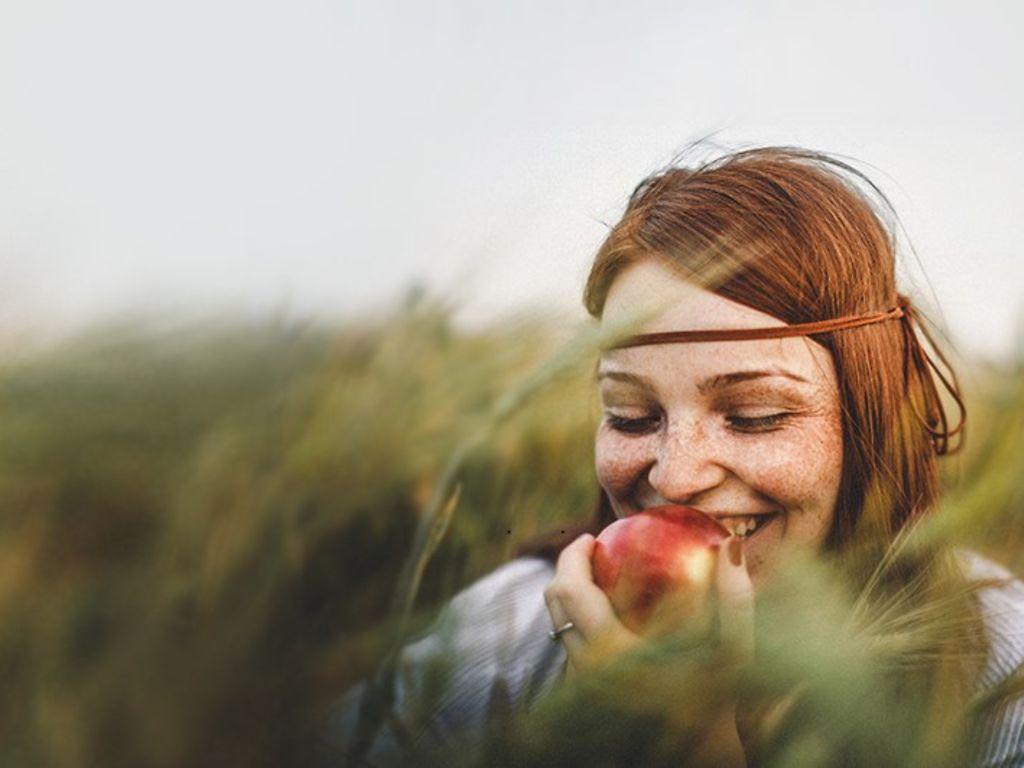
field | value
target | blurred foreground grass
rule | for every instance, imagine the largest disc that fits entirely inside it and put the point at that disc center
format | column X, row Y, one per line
column 201, row 527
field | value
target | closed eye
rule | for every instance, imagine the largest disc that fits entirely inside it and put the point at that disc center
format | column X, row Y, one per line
column 757, row 423
column 646, row 424
column 639, row 426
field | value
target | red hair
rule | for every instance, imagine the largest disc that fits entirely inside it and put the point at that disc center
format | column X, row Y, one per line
column 804, row 237
column 800, row 238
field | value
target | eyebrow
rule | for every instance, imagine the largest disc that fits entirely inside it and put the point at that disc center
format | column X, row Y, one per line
column 720, row 381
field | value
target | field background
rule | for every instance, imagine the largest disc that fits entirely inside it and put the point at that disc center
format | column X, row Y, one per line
column 201, row 524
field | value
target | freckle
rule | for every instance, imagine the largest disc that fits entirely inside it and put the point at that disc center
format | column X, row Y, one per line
column 508, row 531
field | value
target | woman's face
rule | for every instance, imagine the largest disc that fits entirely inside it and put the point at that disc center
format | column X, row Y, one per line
column 735, row 428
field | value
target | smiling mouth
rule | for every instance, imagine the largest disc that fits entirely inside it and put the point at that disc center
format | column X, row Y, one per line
column 741, row 525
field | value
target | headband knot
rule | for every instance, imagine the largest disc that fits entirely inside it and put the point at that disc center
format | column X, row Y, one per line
column 919, row 369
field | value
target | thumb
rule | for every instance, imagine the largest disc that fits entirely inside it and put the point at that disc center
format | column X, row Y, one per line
column 735, row 594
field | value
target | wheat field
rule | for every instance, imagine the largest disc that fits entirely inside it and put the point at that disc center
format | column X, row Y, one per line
column 203, row 527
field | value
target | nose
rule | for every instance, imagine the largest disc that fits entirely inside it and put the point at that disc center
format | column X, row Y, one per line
column 686, row 464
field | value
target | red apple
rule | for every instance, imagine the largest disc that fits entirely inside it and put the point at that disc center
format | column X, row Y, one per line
column 657, row 563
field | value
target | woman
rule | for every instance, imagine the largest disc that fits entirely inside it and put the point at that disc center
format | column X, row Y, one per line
column 778, row 384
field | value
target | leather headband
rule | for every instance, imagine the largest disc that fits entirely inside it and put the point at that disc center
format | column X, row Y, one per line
column 935, row 421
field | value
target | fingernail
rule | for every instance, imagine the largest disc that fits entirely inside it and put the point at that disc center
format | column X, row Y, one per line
column 735, row 550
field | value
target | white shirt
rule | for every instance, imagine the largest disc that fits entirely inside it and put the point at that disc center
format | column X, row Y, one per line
column 497, row 628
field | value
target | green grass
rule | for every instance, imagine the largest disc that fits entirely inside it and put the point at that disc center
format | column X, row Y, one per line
column 202, row 530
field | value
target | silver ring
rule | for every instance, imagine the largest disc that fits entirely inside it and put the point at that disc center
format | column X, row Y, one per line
column 556, row 634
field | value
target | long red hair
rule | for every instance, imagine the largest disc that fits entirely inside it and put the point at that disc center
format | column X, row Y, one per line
column 803, row 241
column 803, row 237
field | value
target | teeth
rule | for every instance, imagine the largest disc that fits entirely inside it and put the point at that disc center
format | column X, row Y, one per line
column 743, row 526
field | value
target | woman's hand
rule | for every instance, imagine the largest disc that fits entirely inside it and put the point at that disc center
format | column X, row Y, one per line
column 598, row 634
column 573, row 596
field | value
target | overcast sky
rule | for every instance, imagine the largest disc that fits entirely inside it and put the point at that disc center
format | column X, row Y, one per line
column 319, row 157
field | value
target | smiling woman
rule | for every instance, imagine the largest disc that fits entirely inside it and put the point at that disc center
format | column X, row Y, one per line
column 749, row 428
column 779, row 384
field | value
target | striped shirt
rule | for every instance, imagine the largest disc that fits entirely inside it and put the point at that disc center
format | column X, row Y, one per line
column 1001, row 736
column 497, row 629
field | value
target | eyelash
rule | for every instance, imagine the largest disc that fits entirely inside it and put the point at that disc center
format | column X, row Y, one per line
column 631, row 426
column 758, row 423
column 648, row 423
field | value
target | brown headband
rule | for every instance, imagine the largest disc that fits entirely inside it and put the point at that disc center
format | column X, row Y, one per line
column 936, row 423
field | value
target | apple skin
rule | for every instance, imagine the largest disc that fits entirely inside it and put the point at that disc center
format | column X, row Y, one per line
column 657, row 564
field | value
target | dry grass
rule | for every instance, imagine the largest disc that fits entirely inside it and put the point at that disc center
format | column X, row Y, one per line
column 202, row 532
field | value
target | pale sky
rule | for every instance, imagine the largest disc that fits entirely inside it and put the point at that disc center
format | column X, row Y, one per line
column 319, row 157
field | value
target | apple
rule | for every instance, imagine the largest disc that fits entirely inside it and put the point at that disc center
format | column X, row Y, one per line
column 657, row 564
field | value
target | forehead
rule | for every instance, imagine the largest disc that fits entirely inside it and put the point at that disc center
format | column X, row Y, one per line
column 672, row 303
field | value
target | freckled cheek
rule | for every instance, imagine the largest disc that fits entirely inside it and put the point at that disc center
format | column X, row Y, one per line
column 803, row 477
column 800, row 473
column 620, row 462
column 771, row 470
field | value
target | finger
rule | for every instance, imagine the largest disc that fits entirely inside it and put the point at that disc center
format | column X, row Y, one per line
column 574, row 561
column 597, row 633
column 735, row 594
column 582, row 603
column 573, row 592
column 573, row 596
column 572, row 640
